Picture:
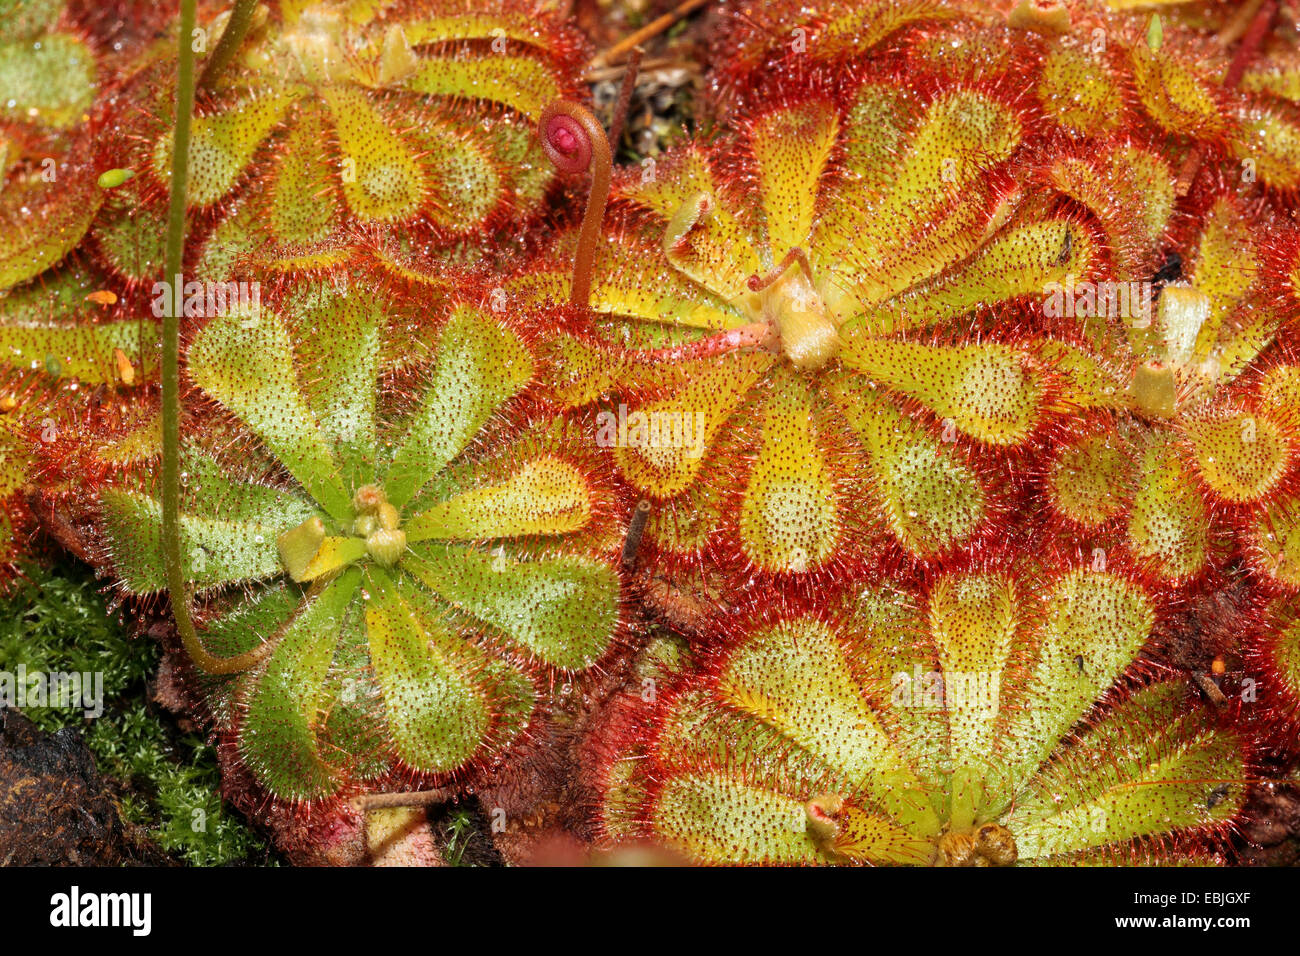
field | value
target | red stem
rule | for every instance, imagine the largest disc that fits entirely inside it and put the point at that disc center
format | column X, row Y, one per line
column 1250, row 43
column 754, row 334
column 757, row 283
column 574, row 141
column 625, row 97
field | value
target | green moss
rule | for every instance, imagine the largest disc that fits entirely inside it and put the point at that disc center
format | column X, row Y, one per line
column 55, row 621
column 460, row 826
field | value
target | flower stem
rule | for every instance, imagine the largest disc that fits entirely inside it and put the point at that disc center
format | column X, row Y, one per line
column 1254, row 35
column 171, row 379
column 241, row 17
column 575, row 141
column 624, row 98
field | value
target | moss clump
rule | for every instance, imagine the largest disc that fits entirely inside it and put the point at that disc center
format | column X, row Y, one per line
column 56, row 622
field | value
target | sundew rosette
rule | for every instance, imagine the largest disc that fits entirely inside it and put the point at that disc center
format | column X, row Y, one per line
column 73, row 343
column 1211, row 81
column 838, row 289
column 412, row 120
column 755, row 41
column 61, row 69
column 49, row 79
column 390, row 544
column 983, row 718
column 1184, row 449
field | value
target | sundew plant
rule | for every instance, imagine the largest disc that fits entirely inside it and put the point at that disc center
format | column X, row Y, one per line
column 894, row 463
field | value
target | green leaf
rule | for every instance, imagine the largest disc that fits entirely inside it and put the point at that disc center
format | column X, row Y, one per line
column 465, row 186
column 545, row 496
column 247, row 364
column 480, row 366
column 227, row 529
column 32, row 243
column 85, row 352
column 702, row 238
column 771, row 678
column 632, row 278
column 991, row 392
column 55, row 77
column 356, row 726
column 28, row 19
column 303, row 203
column 932, row 176
column 712, row 817
column 1150, row 767
column 1098, row 616
column 437, row 714
column 222, row 145
column 386, row 180
column 1168, row 523
column 667, row 439
column 790, row 519
column 791, row 149
column 522, row 83
column 563, row 610
column 973, row 622
column 931, row 499
column 338, row 339
column 334, row 553
column 279, row 736
column 131, row 234
column 1023, row 260
column 238, row 630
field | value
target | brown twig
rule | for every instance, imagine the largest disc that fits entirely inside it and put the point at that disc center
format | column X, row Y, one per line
column 1209, row 688
column 408, row 798
column 647, row 32
column 605, row 73
column 1237, row 24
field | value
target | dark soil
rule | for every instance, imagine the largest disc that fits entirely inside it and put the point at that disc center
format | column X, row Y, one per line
column 1272, row 830
column 55, row 808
